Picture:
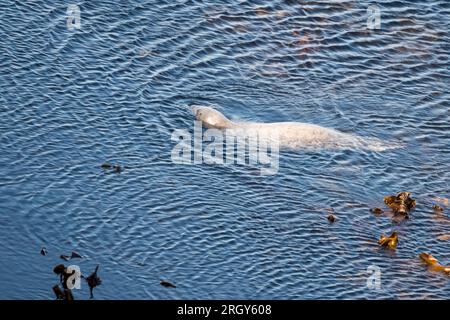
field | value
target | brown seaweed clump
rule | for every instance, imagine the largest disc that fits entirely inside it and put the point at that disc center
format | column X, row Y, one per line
column 377, row 211
column 331, row 218
column 389, row 242
column 438, row 209
column 433, row 263
column 401, row 203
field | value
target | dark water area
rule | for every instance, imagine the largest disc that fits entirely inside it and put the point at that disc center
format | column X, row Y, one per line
column 115, row 89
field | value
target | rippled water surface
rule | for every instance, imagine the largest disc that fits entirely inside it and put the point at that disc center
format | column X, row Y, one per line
column 114, row 91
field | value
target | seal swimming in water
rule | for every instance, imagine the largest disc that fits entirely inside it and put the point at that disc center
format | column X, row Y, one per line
column 289, row 134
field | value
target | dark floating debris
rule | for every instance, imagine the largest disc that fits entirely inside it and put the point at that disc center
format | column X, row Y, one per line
column 377, row 211
column 68, row 296
column 72, row 256
column 58, row 292
column 444, row 201
column 433, row 263
column 64, row 277
column 93, row 281
column 332, row 218
column 114, row 167
column 44, row 251
column 400, row 203
column 167, row 284
column 389, row 242
column 62, row 295
column 75, row 255
column 438, row 208
column 61, row 270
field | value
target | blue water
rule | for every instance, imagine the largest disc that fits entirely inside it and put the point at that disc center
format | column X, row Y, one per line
column 116, row 88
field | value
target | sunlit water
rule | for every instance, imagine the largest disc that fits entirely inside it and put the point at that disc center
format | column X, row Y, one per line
column 115, row 89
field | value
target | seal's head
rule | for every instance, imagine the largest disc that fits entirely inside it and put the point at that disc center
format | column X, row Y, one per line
column 210, row 117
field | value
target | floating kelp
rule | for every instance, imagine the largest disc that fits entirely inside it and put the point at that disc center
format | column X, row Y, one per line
column 167, row 284
column 66, row 278
column 439, row 213
column 64, row 275
column 443, row 201
column 401, row 203
column 73, row 255
column 66, row 293
column 389, row 242
column 68, row 296
column 59, row 269
column 93, row 281
column 377, row 211
column 433, row 263
column 106, row 166
column 62, row 295
column 444, row 237
column 58, row 292
column 114, row 167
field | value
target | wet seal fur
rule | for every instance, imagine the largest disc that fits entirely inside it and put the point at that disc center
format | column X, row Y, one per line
column 290, row 134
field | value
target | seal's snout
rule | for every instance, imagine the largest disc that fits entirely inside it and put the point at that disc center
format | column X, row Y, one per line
column 210, row 117
column 194, row 109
